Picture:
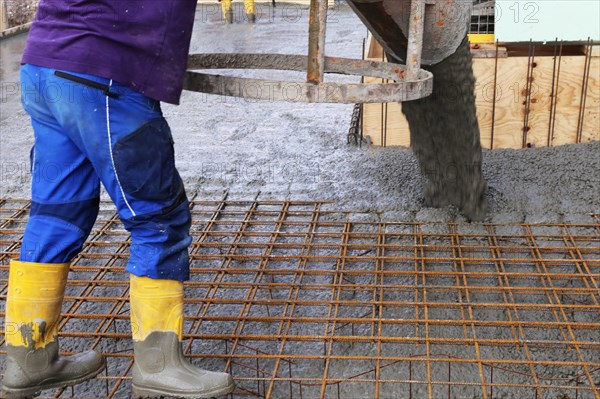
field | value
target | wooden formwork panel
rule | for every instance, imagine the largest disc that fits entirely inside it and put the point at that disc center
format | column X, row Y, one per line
column 540, row 100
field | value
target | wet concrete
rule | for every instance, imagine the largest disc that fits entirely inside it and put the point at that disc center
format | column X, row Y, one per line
column 287, row 150
column 444, row 135
column 11, row 49
column 21, row 12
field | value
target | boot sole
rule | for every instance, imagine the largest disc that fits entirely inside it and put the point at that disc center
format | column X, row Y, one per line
column 26, row 393
column 149, row 393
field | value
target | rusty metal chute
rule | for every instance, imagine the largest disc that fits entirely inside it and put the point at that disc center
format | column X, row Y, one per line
column 445, row 24
column 414, row 31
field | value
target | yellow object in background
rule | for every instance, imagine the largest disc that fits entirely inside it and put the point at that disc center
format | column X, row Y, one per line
column 482, row 38
column 227, row 7
column 35, row 297
column 249, row 7
column 156, row 305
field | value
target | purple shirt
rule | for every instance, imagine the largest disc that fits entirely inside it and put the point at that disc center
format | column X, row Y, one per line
column 142, row 44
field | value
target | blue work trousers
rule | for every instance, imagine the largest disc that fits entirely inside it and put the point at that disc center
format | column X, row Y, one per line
column 90, row 130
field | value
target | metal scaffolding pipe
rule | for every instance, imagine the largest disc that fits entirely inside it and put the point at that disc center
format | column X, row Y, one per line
column 316, row 41
column 415, row 39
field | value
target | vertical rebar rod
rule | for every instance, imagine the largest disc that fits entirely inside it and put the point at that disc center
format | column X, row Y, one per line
column 316, row 41
column 528, row 90
column 415, row 39
column 584, row 90
column 552, row 93
column 495, row 97
column 553, row 111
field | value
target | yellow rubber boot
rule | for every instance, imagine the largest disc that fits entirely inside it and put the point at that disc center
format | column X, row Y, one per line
column 160, row 369
column 35, row 297
column 227, row 11
column 250, row 10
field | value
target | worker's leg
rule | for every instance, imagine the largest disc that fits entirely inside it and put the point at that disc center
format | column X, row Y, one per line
column 143, row 180
column 33, row 304
column 250, row 10
column 130, row 144
column 63, row 210
column 65, row 191
column 227, row 11
column 157, row 326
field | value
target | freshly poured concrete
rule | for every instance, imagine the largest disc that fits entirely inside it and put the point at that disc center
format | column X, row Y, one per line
column 288, row 150
column 445, row 138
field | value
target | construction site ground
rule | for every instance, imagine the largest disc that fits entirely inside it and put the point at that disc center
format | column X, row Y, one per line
column 317, row 272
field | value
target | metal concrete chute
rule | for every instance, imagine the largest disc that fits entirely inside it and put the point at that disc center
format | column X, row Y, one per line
column 397, row 23
column 414, row 31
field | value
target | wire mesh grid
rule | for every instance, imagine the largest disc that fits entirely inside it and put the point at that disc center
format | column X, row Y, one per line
column 483, row 17
column 299, row 300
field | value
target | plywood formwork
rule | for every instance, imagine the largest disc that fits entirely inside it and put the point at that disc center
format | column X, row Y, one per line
column 526, row 96
column 298, row 299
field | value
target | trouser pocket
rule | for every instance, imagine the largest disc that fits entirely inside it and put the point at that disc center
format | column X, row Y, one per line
column 145, row 163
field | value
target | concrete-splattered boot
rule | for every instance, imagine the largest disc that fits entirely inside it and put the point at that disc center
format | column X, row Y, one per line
column 160, row 369
column 227, row 8
column 35, row 297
